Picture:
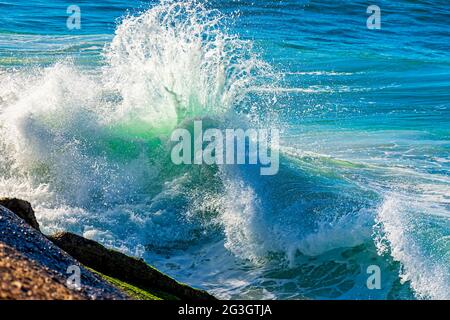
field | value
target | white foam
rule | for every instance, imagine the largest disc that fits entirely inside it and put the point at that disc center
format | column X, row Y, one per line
column 65, row 131
column 419, row 246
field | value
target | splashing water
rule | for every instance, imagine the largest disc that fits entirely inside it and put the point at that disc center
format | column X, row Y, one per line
column 91, row 137
column 176, row 61
column 90, row 149
column 88, row 146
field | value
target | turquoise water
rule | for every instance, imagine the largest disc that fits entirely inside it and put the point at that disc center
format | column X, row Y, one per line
column 85, row 116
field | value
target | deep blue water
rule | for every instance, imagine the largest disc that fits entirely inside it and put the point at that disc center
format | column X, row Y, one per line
column 364, row 176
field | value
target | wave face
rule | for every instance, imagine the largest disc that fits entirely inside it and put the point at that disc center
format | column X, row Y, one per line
column 86, row 140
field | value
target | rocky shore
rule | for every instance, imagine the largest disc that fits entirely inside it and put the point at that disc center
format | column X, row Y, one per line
column 37, row 266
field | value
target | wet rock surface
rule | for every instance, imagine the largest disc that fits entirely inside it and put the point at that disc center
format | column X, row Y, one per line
column 24, row 279
column 22, row 209
column 36, row 251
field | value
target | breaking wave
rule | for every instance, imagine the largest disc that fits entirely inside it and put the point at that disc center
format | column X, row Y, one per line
column 89, row 148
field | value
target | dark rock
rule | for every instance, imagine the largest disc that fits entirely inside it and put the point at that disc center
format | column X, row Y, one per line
column 123, row 267
column 21, row 208
column 33, row 246
column 25, row 279
column 33, row 253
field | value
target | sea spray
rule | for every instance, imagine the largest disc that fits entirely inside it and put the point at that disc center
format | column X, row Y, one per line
column 418, row 242
column 96, row 142
column 86, row 142
column 178, row 61
column 89, row 147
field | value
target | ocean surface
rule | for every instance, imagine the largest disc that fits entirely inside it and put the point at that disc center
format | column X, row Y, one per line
column 86, row 115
